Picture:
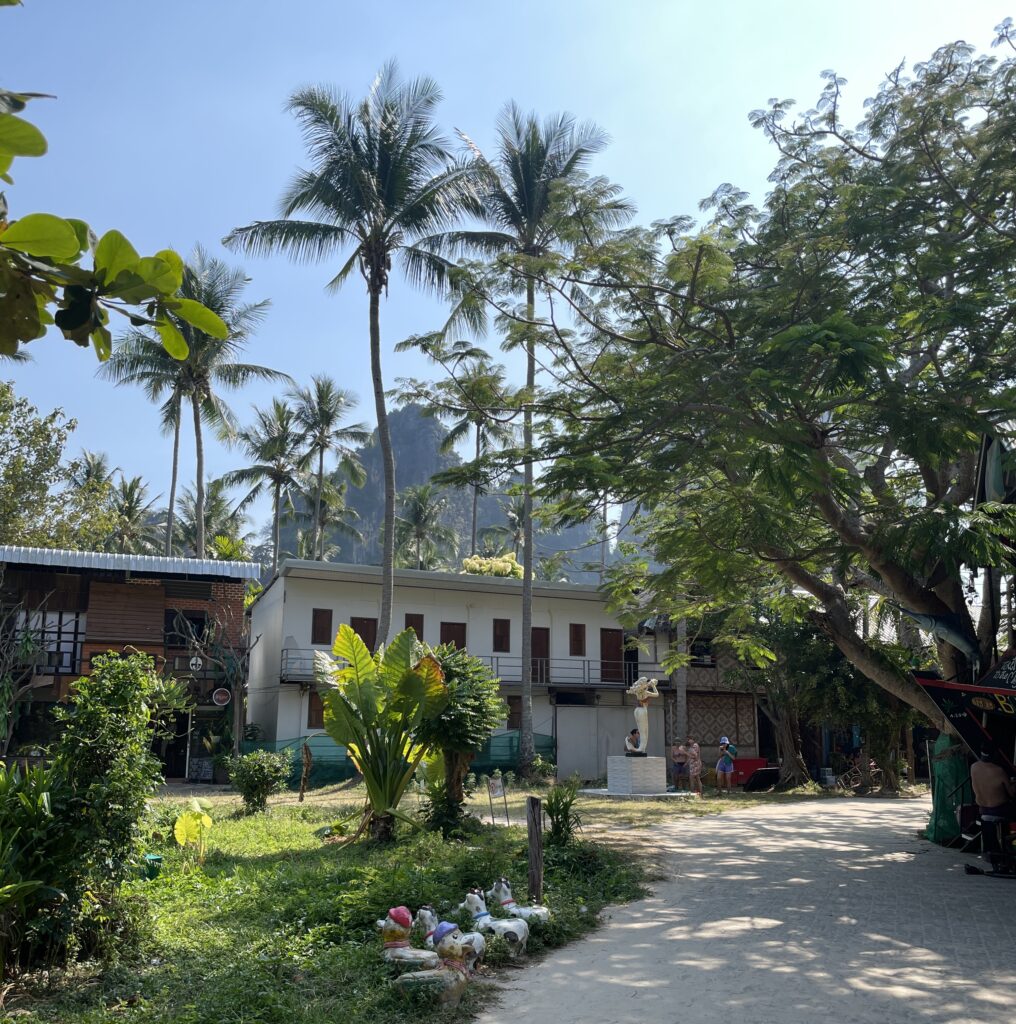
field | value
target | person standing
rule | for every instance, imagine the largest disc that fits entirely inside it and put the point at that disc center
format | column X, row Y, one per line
column 679, row 766
column 725, row 765
column 694, row 765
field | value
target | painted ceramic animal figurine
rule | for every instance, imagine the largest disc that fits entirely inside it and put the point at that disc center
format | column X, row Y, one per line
column 474, row 944
column 395, row 929
column 514, row 931
column 501, row 891
column 448, row 980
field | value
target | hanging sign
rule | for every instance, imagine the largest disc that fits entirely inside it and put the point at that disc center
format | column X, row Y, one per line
column 221, row 697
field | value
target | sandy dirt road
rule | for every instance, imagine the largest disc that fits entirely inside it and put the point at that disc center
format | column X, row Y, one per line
column 790, row 914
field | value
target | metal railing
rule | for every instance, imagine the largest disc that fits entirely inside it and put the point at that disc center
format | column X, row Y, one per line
column 297, row 665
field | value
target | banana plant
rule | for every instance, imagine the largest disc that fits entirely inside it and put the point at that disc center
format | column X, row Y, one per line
column 374, row 707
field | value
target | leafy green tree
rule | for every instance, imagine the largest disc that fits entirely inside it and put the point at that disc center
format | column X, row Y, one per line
column 381, row 179
column 520, row 202
column 420, row 534
column 321, row 410
column 208, row 366
column 375, row 708
column 797, row 395
column 276, row 447
column 135, row 527
column 92, row 470
column 512, row 532
column 222, row 519
column 475, row 708
column 40, row 505
column 331, row 517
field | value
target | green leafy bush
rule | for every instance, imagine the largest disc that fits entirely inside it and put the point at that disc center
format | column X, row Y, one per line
column 543, row 768
column 559, row 804
column 257, row 776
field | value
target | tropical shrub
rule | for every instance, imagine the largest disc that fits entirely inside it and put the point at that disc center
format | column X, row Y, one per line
column 475, row 708
column 257, row 776
column 191, row 826
column 559, row 805
column 496, row 565
column 375, row 707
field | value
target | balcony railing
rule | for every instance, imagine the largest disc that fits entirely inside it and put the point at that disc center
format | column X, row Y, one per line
column 297, row 666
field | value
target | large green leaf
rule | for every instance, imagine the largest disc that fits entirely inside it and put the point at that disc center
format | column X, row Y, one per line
column 42, row 234
column 20, row 138
column 398, row 659
column 175, row 262
column 158, row 273
column 200, row 317
column 114, row 254
column 172, row 340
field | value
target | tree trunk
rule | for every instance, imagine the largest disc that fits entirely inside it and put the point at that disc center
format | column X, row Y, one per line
column 388, row 462
column 476, row 497
column 171, row 510
column 603, row 541
column 199, row 487
column 318, row 531
column 527, row 747
column 419, row 552
column 276, row 518
column 382, row 827
column 793, row 770
column 456, row 765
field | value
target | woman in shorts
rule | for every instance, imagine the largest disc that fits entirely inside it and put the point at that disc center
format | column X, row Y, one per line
column 725, row 765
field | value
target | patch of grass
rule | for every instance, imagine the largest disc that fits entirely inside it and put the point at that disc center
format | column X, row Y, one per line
column 278, row 927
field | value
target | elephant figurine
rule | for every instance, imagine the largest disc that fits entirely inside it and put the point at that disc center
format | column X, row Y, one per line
column 474, row 944
column 449, row 979
column 395, row 929
column 501, row 891
column 514, row 931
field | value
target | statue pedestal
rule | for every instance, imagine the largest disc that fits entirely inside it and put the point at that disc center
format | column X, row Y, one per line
column 630, row 776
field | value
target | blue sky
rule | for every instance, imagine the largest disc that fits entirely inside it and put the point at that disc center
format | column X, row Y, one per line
column 169, row 125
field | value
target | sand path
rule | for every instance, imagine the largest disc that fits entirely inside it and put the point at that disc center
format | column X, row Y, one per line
column 790, row 914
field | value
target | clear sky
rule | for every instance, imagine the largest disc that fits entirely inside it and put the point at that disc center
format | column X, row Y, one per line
column 169, row 125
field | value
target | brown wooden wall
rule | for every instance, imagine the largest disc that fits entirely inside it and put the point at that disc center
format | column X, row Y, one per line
column 125, row 613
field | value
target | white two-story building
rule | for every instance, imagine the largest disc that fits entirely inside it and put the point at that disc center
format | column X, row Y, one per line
column 582, row 661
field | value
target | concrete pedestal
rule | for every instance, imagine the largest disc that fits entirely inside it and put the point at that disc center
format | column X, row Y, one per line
column 627, row 776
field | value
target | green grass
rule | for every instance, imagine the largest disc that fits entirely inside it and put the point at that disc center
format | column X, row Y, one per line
column 279, row 927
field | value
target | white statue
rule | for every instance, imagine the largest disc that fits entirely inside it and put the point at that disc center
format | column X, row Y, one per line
column 448, row 979
column 395, row 929
column 643, row 690
column 473, row 943
column 514, row 931
column 501, row 891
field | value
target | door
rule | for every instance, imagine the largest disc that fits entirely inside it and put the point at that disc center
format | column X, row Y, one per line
column 541, row 655
column 578, row 743
column 612, row 655
column 366, row 630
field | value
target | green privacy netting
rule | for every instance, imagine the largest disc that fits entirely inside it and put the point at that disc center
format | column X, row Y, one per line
column 331, row 764
column 951, row 788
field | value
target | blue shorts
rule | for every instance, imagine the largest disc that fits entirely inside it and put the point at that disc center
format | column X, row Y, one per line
column 724, row 767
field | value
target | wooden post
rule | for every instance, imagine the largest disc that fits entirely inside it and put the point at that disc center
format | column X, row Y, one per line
column 308, row 762
column 534, row 823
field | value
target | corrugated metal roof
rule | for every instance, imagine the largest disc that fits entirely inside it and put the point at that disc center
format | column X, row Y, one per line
column 129, row 563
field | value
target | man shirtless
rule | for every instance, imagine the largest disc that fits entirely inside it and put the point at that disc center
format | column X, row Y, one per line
column 993, row 789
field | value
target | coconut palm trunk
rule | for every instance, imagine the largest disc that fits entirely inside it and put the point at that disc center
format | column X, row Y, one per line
column 199, row 486
column 476, row 493
column 276, row 519
column 527, row 747
column 388, row 462
column 171, row 509
column 319, row 542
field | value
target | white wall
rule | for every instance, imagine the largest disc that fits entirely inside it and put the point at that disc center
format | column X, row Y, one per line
column 263, row 689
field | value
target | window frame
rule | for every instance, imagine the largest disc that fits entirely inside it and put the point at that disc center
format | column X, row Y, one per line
column 502, row 633
column 314, row 632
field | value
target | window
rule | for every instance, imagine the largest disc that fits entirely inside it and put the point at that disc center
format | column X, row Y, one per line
column 502, row 635
column 702, row 653
column 577, row 639
column 415, row 623
column 315, row 711
column 365, row 629
column 185, row 628
column 321, row 626
column 514, row 712
column 454, row 633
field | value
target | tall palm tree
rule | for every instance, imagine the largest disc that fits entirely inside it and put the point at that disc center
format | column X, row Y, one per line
column 418, row 526
column 381, row 178
column 136, row 529
column 139, row 358
column 512, row 531
column 276, row 446
column 320, row 411
column 221, row 519
column 519, row 200
column 330, row 515
column 92, row 469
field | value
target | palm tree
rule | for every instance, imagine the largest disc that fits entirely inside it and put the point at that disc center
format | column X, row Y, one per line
column 136, row 529
column 92, row 469
column 519, row 200
column 512, row 532
column 382, row 177
column 275, row 444
column 320, row 410
column 331, row 514
column 221, row 519
column 140, row 358
column 419, row 527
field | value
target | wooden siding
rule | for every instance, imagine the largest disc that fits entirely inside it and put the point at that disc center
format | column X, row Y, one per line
column 126, row 613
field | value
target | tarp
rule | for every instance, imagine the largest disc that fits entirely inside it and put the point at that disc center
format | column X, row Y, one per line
column 950, row 788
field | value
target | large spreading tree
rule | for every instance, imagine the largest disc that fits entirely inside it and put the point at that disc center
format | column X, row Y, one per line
column 815, row 396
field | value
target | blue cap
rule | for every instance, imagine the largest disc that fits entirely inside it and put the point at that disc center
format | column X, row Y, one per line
column 442, row 930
